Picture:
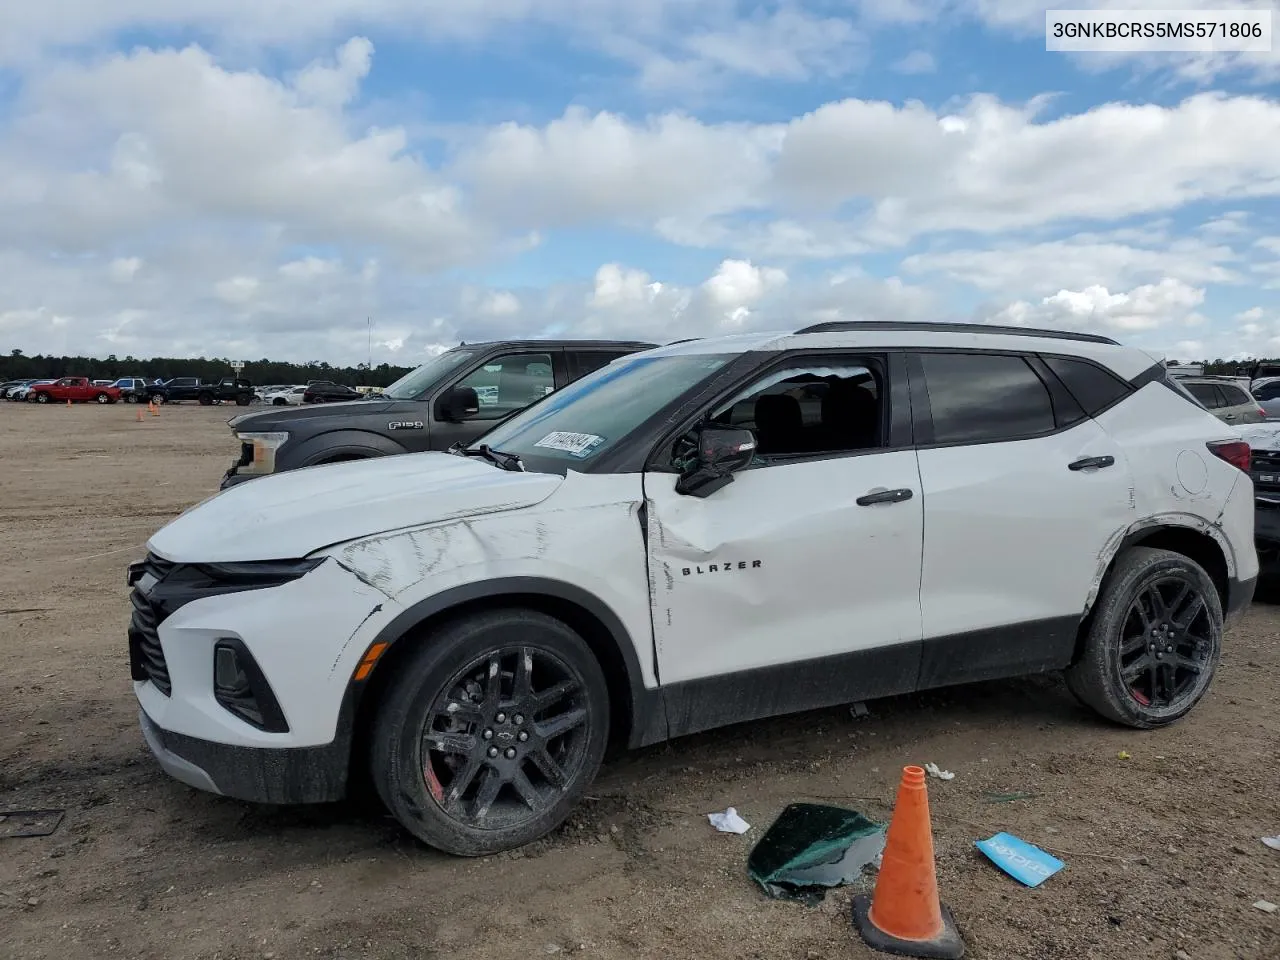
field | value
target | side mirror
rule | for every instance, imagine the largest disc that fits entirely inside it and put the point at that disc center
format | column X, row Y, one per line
column 720, row 451
column 457, row 404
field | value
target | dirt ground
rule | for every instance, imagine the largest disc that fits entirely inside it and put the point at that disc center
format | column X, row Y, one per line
column 1163, row 850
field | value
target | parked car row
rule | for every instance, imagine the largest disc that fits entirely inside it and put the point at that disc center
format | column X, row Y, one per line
column 64, row 390
column 179, row 389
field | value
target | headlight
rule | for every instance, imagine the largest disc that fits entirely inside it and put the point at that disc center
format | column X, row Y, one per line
column 258, row 455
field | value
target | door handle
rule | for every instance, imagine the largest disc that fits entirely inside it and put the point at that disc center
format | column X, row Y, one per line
column 1091, row 463
column 884, row 496
column 1228, row 416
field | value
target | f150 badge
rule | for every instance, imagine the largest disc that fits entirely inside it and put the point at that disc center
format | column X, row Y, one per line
column 405, row 425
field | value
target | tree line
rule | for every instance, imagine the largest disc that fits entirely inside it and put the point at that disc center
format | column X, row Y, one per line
column 18, row 366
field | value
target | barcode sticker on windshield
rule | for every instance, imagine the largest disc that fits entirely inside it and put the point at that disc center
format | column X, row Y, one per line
column 574, row 444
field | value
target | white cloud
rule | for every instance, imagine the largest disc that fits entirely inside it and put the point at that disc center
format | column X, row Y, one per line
column 738, row 283
column 891, row 172
column 123, row 269
column 189, row 139
column 789, row 44
column 500, row 303
column 616, row 285
column 236, row 290
column 1076, row 262
column 308, row 268
column 1141, row 309
column 584, row 167
column 336, row 85
column 166, row 200
column 915, row 62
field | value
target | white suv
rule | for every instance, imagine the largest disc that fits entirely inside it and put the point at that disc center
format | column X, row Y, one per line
column 706, row 533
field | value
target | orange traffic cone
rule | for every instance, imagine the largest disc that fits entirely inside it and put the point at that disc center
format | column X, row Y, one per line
column 139, row 417
column 68, row 401
column 904, row 916
column 151, row 405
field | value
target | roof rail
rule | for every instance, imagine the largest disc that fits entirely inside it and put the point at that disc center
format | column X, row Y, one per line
column 685, row 340
column 853, row 326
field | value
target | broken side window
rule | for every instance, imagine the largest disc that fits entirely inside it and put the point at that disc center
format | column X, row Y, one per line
column 831, row 406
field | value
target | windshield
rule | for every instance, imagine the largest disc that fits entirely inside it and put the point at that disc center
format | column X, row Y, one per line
column 588, row 417
column 413, row 384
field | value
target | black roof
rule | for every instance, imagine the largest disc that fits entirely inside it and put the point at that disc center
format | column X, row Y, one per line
column 854, row 326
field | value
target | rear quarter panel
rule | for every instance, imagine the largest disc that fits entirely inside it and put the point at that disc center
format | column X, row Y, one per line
column 1176, row 480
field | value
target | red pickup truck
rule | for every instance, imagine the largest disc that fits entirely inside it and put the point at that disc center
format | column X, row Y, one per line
column 75, row 389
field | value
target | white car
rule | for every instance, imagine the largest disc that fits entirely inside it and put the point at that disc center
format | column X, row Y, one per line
column 706, row 533
column 286, row 397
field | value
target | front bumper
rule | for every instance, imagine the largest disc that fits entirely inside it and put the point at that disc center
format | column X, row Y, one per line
column 303, row 639
column 282, row 775
column 231, row 477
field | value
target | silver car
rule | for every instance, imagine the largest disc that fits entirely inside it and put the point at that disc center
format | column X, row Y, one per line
column 1268, row 396
column 1225, row 398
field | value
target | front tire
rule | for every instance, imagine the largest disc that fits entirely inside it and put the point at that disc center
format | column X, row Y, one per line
column 1154, row 641
column 490, row 732
column 157, row 398
column 279, row 402
column 102, row 398
column 42, row 398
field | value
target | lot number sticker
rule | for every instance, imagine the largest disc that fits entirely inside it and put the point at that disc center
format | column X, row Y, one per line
column 574, row 444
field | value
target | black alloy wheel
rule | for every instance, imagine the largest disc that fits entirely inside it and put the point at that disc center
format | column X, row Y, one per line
column 1165, row 642
column 506, row 738
column 1153, row 641
column 491, row 729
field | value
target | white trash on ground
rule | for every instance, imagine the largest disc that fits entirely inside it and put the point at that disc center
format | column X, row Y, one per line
column 729, row 822
column 933, row 771
column 1272, row 842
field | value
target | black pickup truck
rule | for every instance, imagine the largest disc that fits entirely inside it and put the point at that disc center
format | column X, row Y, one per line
column 229, row 390
column 1264, row 466
column 452, row 398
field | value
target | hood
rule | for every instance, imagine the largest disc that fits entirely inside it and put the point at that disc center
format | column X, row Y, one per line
column 289, row 515
column 280, row 417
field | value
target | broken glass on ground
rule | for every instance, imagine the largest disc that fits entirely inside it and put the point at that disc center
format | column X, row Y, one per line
column 811, row 848
column 29, row 823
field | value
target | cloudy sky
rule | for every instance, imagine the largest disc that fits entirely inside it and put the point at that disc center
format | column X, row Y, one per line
column 250, row 178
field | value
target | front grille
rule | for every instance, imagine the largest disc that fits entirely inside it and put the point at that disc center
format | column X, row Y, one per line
column 158, row 567
column 146, row 656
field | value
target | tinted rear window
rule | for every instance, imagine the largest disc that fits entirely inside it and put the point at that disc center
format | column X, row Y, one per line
column 1206, row 394
column 1093, row 387
column 1235, row 395
column 976, row 398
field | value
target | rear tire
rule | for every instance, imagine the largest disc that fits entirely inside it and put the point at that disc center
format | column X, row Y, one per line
column 102, row 398
column 205, row 400
column 1153, row 643
column 242, row 400
column 490, row 731
column 157, row 398
column 279, row 402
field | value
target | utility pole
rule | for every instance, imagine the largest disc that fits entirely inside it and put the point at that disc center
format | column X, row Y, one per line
column 369, row 367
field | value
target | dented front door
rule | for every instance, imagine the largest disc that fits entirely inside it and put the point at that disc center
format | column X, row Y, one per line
column 784, row 565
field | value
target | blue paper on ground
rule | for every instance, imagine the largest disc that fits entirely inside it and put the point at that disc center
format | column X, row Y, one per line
column 1019, row 859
